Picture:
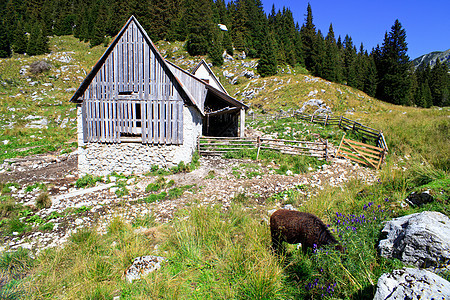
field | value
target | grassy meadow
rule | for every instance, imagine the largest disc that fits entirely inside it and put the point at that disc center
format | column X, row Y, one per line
column 216, row 253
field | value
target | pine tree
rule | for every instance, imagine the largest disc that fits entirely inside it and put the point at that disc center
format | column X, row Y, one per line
column 394, row 68
column 20, row 39
column 267, row 64
column 200, row 26
column 216, row 48
column 370, row 78
column 308, row 36
column 331, row 63
column 423, row 96
column 349, row 55
column 319, row 55
column 5, row 46
column 439, row 84
column 38, row 42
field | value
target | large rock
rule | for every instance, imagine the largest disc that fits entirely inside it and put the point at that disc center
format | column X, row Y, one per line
column 421, row 239
column 409, row 283
column 142, row 266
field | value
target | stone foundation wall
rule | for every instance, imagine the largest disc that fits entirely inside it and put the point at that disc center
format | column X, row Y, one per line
column 102, row 159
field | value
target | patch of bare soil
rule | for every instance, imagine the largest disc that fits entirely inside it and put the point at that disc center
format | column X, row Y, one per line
column 39, row 168
column 216, row 181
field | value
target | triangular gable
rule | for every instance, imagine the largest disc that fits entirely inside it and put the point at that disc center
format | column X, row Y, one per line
column 203, row 71
column 184, row 75
column 131, row 77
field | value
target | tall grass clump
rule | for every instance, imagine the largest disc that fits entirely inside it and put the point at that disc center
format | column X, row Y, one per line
column 14, row 267
column 223, row 255
column 89, row 266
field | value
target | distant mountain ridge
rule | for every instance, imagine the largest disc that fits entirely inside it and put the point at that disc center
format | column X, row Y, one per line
column 431, row 58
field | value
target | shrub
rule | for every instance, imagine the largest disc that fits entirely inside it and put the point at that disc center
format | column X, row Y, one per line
column 88, row 180
column 39, row 66
column 155, row 197
column 43, row 201
column 15, row 225
column 40, row 186
column 157, row 185
column 7, row 206
column 47, row 226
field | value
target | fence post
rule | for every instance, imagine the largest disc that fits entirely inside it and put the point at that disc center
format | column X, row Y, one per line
column 340, row 120
column 326, row 120
column 198, row 144
column 312, row 118
column 259, row 147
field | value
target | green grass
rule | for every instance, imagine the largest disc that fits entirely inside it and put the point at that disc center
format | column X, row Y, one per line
column 214, row 253
column 88, row 180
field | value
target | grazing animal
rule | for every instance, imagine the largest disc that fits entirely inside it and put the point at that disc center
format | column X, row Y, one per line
column 299, row 227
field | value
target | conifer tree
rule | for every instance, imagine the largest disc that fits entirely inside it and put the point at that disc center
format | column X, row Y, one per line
column 20, row 39
column 308, row 36
column 319, row 55
column 216, row 48
column 5, row 46
column 38, row 42
column 227, row 44
column 267, row 64
column 394, row 67
column 332, row 70
column 423, row 96
column 439, row 84
column 200, row 26
column 349, row 55
column 370, row 78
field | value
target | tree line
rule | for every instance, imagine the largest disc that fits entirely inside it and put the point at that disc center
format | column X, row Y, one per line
column 275, row 39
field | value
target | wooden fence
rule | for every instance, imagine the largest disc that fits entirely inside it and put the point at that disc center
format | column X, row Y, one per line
column 221, row 145
column 367, row 133
column 361, row 153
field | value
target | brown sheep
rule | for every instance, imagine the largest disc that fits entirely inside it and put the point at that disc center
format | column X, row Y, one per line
column 299, row 227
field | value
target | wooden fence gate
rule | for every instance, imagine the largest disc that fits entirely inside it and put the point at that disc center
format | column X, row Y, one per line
column 361, row 153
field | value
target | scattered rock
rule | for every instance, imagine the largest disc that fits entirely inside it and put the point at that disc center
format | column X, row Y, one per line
column 242, row 55
column 322, row 108
column 142, row 266
column 409, row 283
column 227, row 74
column 421, row 239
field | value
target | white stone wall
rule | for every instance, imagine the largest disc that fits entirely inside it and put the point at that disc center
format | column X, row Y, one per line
column 127, row 158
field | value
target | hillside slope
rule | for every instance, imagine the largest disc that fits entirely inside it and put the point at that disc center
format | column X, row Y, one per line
column 36, row 116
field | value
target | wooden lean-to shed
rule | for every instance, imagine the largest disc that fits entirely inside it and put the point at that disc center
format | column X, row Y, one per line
column 136, row 110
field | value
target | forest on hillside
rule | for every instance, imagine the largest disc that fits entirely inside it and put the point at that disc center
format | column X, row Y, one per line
column 386, row 72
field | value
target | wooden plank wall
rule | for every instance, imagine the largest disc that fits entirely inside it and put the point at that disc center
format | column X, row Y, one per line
column 195, row 87
column 132, row 94
column 157, row 122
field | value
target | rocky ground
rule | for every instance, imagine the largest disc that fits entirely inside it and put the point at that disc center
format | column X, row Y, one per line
column 216, row 181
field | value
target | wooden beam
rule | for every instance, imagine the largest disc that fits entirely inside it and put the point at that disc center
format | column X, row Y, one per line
column 242, row 127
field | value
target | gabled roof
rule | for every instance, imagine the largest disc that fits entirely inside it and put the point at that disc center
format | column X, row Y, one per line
column 203, row 63
column 87, row 81
column 218, row 93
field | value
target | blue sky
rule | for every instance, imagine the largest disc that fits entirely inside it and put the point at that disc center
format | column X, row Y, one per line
column 427, row 23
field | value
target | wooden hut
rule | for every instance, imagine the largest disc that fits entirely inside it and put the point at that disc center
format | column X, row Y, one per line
column 136, row 110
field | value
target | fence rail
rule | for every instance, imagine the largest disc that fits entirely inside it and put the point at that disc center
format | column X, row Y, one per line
column 361, row 153
column 221, row 145
column 342, row 122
